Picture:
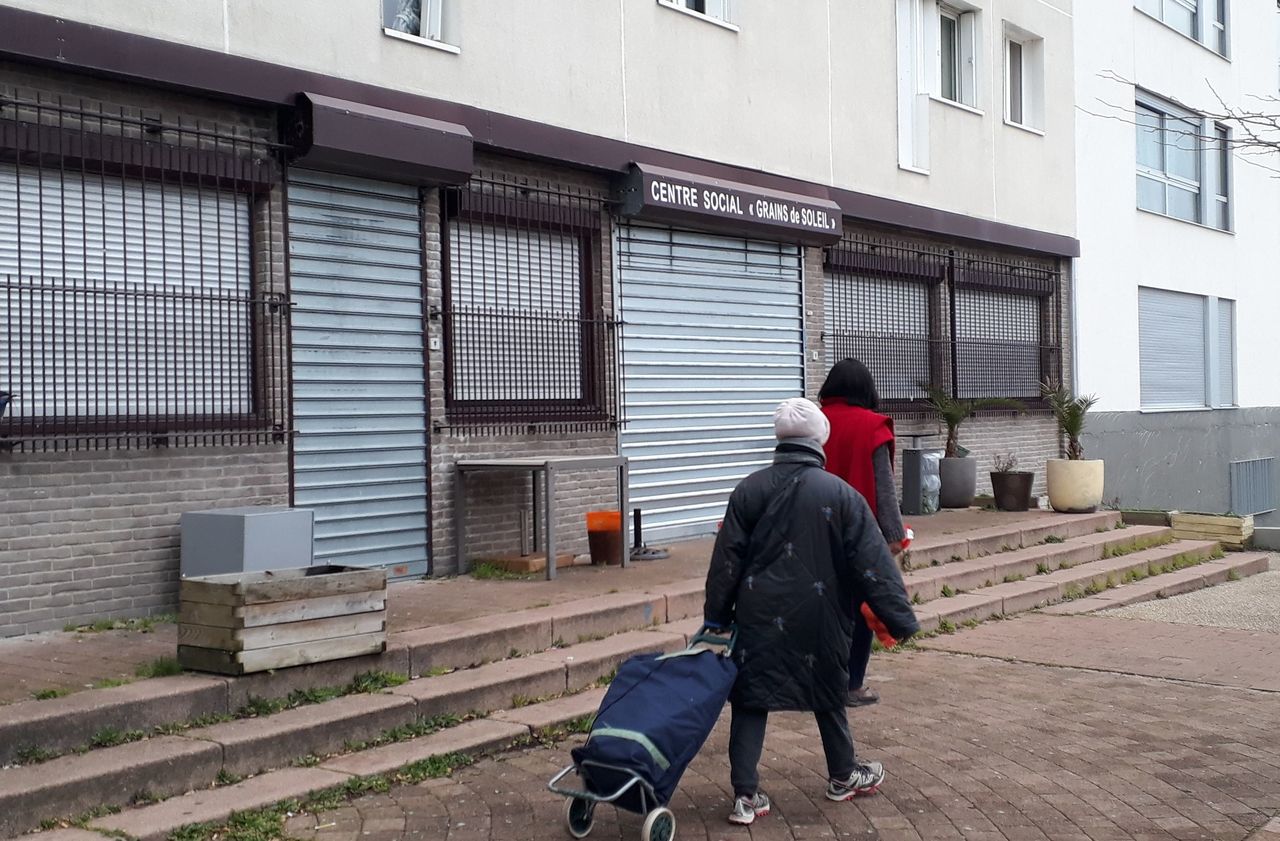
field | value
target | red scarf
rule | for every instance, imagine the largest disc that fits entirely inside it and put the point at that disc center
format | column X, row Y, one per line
column 856, row 433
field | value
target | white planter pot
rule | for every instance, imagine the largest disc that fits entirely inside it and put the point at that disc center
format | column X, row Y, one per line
column 1075, row 487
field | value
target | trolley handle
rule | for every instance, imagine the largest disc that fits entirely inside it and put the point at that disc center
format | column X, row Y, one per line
column 715, row 636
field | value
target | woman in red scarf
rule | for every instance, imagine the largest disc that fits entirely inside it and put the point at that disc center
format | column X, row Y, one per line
column 860, row 451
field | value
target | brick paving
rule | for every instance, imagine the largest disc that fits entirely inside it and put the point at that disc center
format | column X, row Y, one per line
column 73, row 662
column 1219, row 656
column 975, row 748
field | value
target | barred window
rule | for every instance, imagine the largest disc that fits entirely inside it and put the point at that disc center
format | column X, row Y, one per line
column 977, row 326
column 527, row 341
column 132, row 308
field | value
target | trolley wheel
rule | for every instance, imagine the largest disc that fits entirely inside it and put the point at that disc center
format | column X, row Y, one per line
column 659, row 825
column 579, row 816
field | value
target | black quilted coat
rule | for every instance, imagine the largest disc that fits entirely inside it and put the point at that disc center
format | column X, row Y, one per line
column 797, row 549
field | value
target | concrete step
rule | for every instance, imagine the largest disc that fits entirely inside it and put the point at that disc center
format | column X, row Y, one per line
column 1208, row 574
column 924, row 585
column 66, row 724
column 1064, row 584
column 470, row 741
column 976, row 543
column 169, row 765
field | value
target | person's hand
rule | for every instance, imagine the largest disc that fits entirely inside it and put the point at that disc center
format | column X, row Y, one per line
column 895, row 548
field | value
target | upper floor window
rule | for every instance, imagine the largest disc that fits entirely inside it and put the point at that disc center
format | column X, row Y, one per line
column 1184, row 164
column 715, row 11
column 956, row 52
column 1024, row 78
column 419, row 20
column 1203, row 20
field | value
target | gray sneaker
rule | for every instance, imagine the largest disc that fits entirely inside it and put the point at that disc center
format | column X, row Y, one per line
column 865, row 779
column 747, row 809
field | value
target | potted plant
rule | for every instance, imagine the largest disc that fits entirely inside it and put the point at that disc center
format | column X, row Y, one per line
column 1011, row 488
column 958, row 472
column 1075, row 483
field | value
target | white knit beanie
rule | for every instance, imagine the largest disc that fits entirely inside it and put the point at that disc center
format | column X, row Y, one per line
column 797, row 417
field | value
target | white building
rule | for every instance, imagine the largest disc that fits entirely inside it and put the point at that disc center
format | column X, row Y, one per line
column 1176, row 298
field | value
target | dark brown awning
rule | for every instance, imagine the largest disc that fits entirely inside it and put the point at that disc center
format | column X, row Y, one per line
column 380, row 143
column 683, row 198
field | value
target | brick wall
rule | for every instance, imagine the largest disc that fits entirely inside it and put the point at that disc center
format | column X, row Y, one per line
column 495, row 502
column 815, row 351
column 90, row 535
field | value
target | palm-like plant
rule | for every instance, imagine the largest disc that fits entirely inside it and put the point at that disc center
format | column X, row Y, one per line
column 954, row 411
column 1069, row 412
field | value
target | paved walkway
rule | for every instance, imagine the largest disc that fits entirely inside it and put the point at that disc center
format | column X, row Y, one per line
column 72, row 662
column 976, row 749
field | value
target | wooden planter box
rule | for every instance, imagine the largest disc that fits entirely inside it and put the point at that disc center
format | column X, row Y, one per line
column 253, row 622
column 1231, row 532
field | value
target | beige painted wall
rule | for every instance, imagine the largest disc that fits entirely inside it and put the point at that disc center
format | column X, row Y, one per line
column 805, row 89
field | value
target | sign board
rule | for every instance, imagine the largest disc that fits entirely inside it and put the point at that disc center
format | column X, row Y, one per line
column 682, row 198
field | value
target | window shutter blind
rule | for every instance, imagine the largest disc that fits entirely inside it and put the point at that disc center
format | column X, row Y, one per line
column 1226, row 353
column 1171, row 340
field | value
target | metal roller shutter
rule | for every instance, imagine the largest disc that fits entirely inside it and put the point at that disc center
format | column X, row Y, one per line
column 359, row 389
column 713, row 340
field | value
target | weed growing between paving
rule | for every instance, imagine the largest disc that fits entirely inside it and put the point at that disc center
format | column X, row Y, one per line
column 268, row 824
column 160, row 667
column 947, row 592
column 493, row 572
column 145, row 625
column 81, row 821
column 50, row 694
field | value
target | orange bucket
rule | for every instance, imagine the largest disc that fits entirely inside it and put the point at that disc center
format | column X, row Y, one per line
column 604, row 537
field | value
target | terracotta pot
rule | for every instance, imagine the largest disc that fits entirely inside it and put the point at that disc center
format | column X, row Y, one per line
column 959, row 482
column 1012, row 490
column 1075, row 487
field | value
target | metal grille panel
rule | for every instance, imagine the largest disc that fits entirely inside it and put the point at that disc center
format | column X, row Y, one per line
column 359, row 395
column 713, row 340
column 1253, row 489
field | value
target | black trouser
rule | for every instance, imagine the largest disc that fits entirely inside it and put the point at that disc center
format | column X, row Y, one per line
column 746, row 742
column 860, row 652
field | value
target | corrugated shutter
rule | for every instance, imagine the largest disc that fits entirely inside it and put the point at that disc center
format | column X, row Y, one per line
column 1226, row 353
column 1253, row 486
column 129, row 276
column 359, row 389
column 1171, row 339
column 712, row 341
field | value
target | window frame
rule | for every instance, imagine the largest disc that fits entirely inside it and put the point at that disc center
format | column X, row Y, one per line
column 968, row 50
column 1210, row 21
column 1214, row 163
column 728, row 21
column 590, row 406
column 431, row 18
column 1031, row 72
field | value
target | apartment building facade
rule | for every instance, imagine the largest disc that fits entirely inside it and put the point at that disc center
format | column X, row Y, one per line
column 1178, row 209
column 264, row 258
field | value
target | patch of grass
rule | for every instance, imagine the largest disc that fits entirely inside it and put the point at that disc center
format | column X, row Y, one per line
column 945, row 626
column 971, row 623
column 111, row 682
column 1136, row 546
column 145, row 624
column 916, row 598
column 160, row 667
column 1218, row 554
column 226, row 778
column 1072, row 592
column 591, row 637
column 1014, row 576
column 1042, row 568
column 375, row 681
column 946, row 591
column 50, row 694
column 493, row 572
column 1135, row 575
column 1233, row 575
column 1007, row 548
column 936, row 563
column 1055, row 538
column 308, row 761
column 441, row 671
column 144, row 798
column 605, row 680
column 34, row 755
column 81, row 820
column 109, row 737
column 559, row 643
column 988, row 583
column 955, row 559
